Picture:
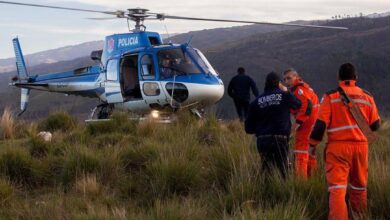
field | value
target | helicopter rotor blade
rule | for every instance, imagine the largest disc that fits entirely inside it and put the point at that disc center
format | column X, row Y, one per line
column 103, row 18
column 163, row 16
column 116, row 13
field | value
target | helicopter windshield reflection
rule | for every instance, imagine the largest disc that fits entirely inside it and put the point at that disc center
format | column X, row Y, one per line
column 175, row 62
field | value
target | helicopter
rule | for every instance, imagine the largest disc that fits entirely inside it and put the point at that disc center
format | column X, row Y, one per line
column 136, row 71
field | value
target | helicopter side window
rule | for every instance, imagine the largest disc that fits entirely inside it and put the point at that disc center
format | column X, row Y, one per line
column 112, row 70
column 154, row 41
column 147, row 67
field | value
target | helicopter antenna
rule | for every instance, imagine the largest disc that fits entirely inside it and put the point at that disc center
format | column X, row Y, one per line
column 189, row 39
column 128, row 24
column 168, row 35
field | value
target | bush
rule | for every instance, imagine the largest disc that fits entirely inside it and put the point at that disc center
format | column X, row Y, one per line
column 119, row 122
column 17, row 164
column 6, row 191
column 58, row 121
column 136, row 158
column 101, row 127
column 79, row 162
column 105, row 140
column 38, row 147
column 173, row 177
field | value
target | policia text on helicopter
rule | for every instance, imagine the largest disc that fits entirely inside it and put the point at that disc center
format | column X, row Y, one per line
column 349, row 116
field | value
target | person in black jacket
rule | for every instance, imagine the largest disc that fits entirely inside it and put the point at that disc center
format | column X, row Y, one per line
column 238, row 89
column 269, row 119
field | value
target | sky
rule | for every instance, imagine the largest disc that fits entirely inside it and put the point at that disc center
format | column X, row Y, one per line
column 42, row 29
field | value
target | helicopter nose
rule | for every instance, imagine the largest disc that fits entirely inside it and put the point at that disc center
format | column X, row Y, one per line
column 207, row 95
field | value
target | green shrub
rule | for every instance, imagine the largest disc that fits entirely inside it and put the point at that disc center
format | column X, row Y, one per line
column 221, row 168
column 101, row 127
column 179, row 209
column 174, row 177
column 6, row 191
column 38, row 147
column 17, row 165
column 125, row 125
column 58, row 121
column 79, row 162
column 119, row 122
column 105, row 140
column 379, row 188
column 136, row 158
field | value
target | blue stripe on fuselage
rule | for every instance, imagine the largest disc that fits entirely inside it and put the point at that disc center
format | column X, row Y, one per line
column 71, row 76
column 93, row 93
column 206, row 79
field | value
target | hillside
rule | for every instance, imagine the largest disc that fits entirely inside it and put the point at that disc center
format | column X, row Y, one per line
column 315, row 53
column 52, row 56
column 186, row 170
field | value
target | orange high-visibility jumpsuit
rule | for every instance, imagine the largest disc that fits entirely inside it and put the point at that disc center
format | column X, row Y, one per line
column 306, row 116
column 346, row 154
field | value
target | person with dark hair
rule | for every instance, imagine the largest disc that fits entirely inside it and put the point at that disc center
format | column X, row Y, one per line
column 304, row 164
column 269, row 119
column 239, row 90
column 349, row 115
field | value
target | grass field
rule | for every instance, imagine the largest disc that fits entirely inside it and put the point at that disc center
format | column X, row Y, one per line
column 190, row 169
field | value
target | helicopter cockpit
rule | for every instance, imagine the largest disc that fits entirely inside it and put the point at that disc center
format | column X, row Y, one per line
column 176, row 62
column 182, row 61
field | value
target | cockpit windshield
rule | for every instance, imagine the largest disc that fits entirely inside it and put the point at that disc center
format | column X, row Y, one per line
column 176, row 62
column 203, row 62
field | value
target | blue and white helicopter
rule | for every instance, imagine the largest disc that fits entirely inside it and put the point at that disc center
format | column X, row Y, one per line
column 137, row 71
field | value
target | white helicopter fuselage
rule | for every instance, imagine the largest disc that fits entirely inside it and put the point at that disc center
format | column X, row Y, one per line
column 190, row 82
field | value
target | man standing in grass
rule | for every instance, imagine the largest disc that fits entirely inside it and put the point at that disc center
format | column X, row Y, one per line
column 350, row 116
column 239, row 90
column 305, row 117
column 269, row 119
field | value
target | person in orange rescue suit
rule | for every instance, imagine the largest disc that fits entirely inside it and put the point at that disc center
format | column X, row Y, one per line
column 346, row 153
column 305, row 117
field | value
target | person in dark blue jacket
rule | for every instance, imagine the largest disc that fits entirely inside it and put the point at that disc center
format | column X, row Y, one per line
column 239, row 89
column 269, row 119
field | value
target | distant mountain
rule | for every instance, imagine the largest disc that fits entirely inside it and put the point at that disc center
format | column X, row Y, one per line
column 379, row 15
column 316, row 54
column 208, row 38
column 52, row 56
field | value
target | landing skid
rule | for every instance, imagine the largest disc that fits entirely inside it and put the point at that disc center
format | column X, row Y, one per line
column 104, row 112
column 161, row 120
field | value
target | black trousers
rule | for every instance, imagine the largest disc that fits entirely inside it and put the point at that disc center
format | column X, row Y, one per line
column 242, row 108
column 273, row 151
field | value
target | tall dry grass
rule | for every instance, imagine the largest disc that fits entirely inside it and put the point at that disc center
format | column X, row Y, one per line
column 186, row 170
column 7, row 124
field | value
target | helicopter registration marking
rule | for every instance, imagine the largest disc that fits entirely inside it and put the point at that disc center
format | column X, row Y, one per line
column 129, row 41
column 62, row 85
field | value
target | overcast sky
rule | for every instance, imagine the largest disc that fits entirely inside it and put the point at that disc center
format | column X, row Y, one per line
column 41, row 29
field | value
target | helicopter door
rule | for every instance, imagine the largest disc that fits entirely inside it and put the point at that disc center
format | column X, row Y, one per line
column 151, row 89
column 129, row 79
column 112, row 86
